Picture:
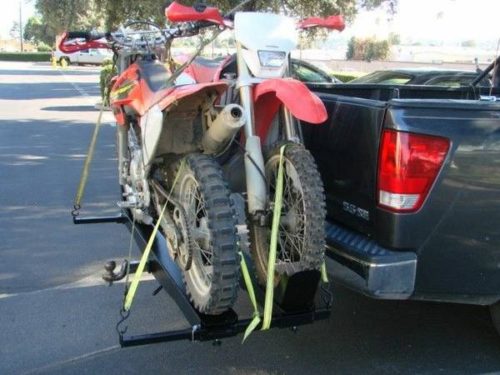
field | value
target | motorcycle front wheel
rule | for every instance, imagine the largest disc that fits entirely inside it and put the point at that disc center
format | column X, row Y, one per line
column 212, row 276
column 301, row 238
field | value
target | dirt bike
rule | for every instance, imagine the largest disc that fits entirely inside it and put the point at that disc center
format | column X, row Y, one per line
column 203, row 140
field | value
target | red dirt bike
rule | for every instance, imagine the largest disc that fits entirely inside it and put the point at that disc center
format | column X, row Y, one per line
column 204, row 141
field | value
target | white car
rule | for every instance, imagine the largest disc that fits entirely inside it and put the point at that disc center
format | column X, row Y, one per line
column 88, row 56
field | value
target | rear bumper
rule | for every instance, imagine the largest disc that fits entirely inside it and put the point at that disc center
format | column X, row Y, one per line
column 360, row 264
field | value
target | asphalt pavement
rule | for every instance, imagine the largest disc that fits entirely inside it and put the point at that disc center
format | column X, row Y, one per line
column 58, row 317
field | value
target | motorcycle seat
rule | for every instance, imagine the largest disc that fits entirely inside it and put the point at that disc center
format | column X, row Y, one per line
column 154, row 73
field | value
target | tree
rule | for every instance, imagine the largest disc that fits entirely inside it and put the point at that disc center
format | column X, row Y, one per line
column 367, row 49
column 394, row 39
column 14, row 30
column 38, row 32
column 60, row 15
column 118, row 11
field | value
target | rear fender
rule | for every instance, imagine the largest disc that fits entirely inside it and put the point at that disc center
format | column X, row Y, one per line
column 271, row 94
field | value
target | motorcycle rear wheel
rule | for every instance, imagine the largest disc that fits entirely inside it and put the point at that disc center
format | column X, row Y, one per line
column 212, row 277
column 301, row 242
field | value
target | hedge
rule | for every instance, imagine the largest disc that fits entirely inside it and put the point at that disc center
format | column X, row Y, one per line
column 108, row 71
column 25, row 56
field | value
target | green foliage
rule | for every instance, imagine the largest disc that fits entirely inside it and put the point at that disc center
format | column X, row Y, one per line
column 394, row 39
column 367, row 49
column 351, row 49
column 14, row 30
column 116, row 12
column 345, row 77
column 36, row 31
column 24, row 56
column 391, row 5
column 61, row 15
column 43, row 47
column 108, row 71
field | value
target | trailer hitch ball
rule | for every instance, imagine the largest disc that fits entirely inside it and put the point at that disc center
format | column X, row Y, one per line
column 110, row 266
column 110, row 276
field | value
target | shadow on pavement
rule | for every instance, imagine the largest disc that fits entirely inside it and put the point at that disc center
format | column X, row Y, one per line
column 54, row 72
column 363, row 336
column 40, row 167
column 71, row 108
column 44, row 90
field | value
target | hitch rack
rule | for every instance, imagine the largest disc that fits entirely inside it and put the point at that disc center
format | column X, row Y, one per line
column 296, row 306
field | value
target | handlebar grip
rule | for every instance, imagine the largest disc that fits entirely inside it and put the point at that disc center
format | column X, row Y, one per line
column 78, row 34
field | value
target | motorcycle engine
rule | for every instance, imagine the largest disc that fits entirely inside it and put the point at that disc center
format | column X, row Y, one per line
column 137, row 189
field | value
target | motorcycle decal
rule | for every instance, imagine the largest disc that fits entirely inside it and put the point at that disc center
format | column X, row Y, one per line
column 294, row 95
column 122, row 92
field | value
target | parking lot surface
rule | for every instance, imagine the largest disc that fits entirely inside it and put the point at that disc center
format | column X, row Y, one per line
column 58, row 317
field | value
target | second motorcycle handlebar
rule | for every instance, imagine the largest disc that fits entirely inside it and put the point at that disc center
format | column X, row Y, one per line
column 87, row 35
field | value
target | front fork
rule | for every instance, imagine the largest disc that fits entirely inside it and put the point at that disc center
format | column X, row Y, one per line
column 122, row 151
column 254, row 159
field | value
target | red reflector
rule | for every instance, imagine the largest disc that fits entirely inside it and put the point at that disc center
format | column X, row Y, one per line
column 408, row 166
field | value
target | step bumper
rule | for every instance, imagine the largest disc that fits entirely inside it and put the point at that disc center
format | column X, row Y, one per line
column 359, row 263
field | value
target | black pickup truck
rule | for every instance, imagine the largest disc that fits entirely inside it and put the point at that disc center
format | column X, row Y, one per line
column 412, row 180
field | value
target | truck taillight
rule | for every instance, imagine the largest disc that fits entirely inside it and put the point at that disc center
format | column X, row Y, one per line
column 407, row 167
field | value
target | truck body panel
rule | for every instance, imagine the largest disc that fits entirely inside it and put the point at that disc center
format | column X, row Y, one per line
column 455, row 236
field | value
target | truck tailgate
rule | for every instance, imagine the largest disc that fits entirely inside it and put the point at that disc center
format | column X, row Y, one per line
column 346, row 150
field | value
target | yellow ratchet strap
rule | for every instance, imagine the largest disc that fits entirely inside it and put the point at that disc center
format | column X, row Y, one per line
column 251, row 293
column 140, row 269
column 278, row 202
column 88, row 160
column 129, row 298
column 324, row 274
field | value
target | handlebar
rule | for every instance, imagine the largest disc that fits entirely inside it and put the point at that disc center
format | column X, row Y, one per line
column 122, row 39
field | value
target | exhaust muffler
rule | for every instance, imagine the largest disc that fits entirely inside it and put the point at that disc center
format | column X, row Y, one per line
column 223, row 128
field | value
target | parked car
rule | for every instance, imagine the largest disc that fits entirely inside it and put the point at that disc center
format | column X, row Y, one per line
column 307, row 72
column 422, row 76
column 412, row 181
column 94, row 56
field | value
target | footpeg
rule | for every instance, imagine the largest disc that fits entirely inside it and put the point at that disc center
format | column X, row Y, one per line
column 128, row 205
